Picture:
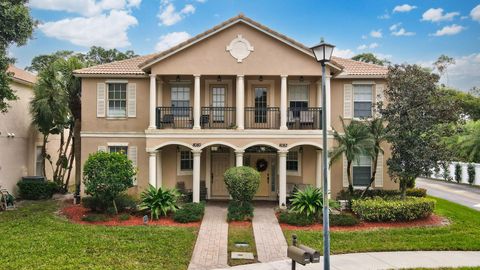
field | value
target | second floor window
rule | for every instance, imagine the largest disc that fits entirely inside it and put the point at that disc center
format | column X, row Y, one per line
column 180, row 100
column 362, row 101
column 117, row 99
column 297, row 99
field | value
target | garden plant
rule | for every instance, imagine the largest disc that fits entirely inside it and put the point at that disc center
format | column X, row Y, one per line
column 242, row 184
column 159, row 201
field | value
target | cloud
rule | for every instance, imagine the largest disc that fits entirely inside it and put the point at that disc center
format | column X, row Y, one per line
column 394, row 27
column 437, row 15
column 404, row 8
column 168, row 15
column 365, row 46
column 171, row 39
column 449, row 30
column 396, row 30
column 384, row 16
column 376, row 33
column 475, row 13
column 347, row 53
column 106, row 30
column 84, row 7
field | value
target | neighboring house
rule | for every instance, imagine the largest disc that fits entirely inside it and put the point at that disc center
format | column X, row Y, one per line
column 20, row 142
column 237, row 94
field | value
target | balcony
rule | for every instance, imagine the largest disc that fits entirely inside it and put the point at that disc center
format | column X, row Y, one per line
column 304, row 118
column 174, row 117
column 262, row 118
column 218, row 118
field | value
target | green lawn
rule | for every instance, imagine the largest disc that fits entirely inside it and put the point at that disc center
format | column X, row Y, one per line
column 33, row 237
column 462, row 234
column 241, row 234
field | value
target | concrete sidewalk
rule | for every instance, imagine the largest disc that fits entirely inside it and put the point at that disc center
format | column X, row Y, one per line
column 382, row 260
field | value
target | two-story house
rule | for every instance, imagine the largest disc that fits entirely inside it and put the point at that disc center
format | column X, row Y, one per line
column 237, row 94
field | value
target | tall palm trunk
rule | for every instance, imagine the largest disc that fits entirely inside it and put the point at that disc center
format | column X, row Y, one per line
column 44, row 155
column 349, row 177
column 78, row 155
column 374, row 173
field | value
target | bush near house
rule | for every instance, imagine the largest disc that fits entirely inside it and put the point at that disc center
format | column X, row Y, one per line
column 296, row 219
column 106, row 176
column 189, row 212
column 240, row 212
column 123, row 201
column 379, row 209
column 242, row 184
column 159, row 201
column 471, row 173
column 371, row 193
column 36, row 190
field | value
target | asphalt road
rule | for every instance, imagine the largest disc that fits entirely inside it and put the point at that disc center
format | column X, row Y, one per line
column 461, row 194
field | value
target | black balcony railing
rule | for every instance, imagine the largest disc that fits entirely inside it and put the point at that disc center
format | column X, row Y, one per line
column 218, row 117
column 262, row 118
column 174, row 117
column 304, row 118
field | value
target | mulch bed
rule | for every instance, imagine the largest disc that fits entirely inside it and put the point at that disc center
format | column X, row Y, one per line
column 432, row 220
column 240, row 223
column 75, row 213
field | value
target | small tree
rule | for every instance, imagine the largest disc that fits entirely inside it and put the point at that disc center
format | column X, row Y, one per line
column 458, row 173
column 471, row 173
column 242, row 183
column 106, row 175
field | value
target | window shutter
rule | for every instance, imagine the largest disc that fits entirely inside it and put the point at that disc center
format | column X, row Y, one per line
column 347, row 100
column 379, row 174
column 102, row 148
column 345, row 176
column 132, row 155
column 132, row 99
column 379, row 95
column 101, row 100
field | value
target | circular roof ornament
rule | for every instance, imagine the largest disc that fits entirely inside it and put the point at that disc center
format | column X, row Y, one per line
column 239, row 48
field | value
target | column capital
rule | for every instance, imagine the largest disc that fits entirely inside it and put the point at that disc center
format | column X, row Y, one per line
column 196, row 75
column 240, row 76
column 196, row 152
column 282, row 153
column 283, row 76
column 153, row 75
column 152, row 153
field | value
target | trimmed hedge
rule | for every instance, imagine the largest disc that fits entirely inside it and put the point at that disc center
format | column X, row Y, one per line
column 190, row 212
column 343, row 219
column 417, row 192
column 383, row 193
column 296, row 219
column 36, row 190
column 124, row 202
column 239, row 212
column 379, row 209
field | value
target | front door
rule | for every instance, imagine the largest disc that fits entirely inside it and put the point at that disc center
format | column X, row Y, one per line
column 262, row 163
column 220, row 163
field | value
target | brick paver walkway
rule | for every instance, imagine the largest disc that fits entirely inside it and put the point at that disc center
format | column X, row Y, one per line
column 269, row 238
column 211, row 247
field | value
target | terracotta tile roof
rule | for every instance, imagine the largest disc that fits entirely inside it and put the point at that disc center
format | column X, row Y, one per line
column 21, row 75
column 135, row 66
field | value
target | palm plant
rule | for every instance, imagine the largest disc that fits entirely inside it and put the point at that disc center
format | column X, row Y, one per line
column 469, row 142
column 159, row 201
column 353, row 143
column 309, row 202
column 378, row 134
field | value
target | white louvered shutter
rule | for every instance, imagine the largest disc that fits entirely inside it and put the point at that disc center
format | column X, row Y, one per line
column 345, row 176
column 379, row 174
column 379, row 95
column 101, row 100
column 347, row 101
column 102, row 148
column 132, row 100
column 132, row 155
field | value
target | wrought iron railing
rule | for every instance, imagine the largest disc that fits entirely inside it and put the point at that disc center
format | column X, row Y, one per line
column 304, row 118
column 262, row 118
column 218, row 117
column 174, row 117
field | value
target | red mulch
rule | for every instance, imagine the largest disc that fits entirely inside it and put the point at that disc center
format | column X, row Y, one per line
column 75, row 213
column 432, row 220
column 240, row 223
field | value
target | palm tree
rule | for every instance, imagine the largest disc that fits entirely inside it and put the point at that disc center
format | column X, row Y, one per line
column 378, row 133
column 354, row 142
column 469, row 142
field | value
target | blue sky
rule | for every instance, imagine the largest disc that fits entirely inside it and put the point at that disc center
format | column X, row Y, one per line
column 402, row 31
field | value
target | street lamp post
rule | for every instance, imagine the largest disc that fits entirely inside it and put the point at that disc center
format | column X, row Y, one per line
column 323, row 53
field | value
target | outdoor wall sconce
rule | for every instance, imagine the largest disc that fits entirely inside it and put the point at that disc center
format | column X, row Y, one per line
column 260, row 78
column 219, row 78
column 177, row 78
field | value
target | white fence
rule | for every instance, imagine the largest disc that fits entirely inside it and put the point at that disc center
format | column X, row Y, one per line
column 440, row 174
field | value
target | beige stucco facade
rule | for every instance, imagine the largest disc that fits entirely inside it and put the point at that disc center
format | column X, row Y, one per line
column 273, row 67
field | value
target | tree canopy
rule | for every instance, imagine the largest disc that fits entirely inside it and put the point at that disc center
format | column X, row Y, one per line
column 468, row 103
column 16, row 27
column 370, row 58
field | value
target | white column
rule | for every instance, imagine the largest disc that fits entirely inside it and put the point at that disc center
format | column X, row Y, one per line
column 208, row 171
column 196, row 175
column 159, row 169
column 282, row 185
column 240, row 96
column 283, row 102
column 239, row 158
column 153, row 100
column 152, row 168
column 196, row 102
column 160, row 92
column 318, row 172
column 328, row 124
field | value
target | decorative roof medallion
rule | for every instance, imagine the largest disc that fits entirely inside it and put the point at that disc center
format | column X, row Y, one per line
column 239, row 48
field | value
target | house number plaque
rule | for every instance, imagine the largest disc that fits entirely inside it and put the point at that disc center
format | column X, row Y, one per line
column 283, row 144
column 196, row 144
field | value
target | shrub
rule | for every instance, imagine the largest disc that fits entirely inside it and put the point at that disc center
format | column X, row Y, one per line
column 471, row 173
column 159, row 201
column 296, row 219
column 189, row 212
column 106, row 175
column 458, row 172
column 417, row 192
column 124, row 217
column 94, row 218
column 239, row 212
column 379, row 209
column 124, row 202
column 343, row 219
column 242, row 183
column 35, row 190
column 309, row 202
